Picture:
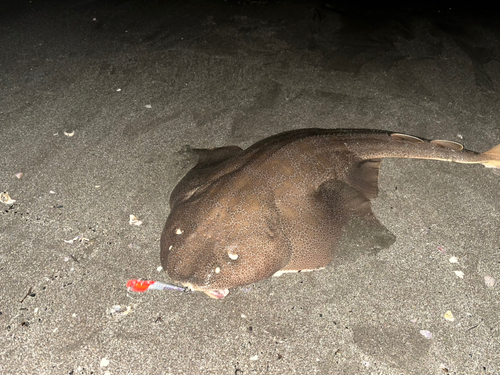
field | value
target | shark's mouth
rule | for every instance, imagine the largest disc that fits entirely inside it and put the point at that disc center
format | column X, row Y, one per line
column 217, row 294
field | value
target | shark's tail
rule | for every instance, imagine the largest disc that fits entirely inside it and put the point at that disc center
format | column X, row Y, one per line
column 492, row 157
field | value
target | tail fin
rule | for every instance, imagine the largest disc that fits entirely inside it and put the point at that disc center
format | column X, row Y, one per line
column 492, row 157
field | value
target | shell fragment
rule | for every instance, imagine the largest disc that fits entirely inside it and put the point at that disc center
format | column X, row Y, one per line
column 6, row 199
column 134, row 220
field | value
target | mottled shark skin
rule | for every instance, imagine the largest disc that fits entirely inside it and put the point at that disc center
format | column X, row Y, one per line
column 283, row 204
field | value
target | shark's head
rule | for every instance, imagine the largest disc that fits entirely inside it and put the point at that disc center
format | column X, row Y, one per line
column 212, row 245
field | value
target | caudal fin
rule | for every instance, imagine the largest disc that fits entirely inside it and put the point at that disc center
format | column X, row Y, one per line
column 492, row 157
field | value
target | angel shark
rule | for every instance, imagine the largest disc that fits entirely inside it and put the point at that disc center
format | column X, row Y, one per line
column 283, row 204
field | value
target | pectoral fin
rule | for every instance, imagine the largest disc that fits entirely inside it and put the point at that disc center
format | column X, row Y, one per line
column 212, row 164
column 349, row 210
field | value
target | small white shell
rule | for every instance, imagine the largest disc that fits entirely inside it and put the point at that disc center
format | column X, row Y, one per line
column 459, row 274
column 5, row 198
column 489, row 281
column 77, row 238
column 217, row 270
column 134, row 220
column 448, row 315
column 426, row 334
column 179, row 231
column 70, row 134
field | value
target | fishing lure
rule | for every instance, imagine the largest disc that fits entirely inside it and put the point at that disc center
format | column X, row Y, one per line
column 140, row 286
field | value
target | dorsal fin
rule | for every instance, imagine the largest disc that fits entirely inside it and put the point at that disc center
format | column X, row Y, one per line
column 448, row 144
column 406, row 137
